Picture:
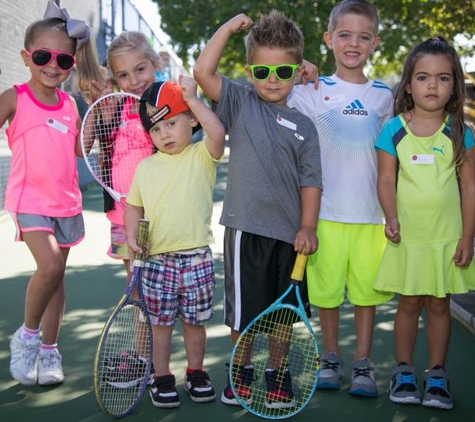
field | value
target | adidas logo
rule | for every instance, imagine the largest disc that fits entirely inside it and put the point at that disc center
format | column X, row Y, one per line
column 355, row 108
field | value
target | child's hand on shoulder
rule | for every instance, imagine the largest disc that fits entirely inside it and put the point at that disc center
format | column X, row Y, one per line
column 240, row 22
column 101, row 89
column 309, row 73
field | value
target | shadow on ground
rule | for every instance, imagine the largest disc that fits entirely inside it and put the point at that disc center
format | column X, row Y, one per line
column 92, row 292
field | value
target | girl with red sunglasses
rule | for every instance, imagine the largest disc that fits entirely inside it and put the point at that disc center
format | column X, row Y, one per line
column 42, row 192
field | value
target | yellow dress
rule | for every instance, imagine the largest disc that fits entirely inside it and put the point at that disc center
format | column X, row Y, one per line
column 428, row 205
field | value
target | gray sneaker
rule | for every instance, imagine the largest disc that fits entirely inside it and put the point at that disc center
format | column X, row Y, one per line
column 436, row 389
column 331, row 370
column 403, row 386
column 362, row 378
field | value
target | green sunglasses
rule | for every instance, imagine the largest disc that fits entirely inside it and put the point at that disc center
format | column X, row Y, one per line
column 283, row 72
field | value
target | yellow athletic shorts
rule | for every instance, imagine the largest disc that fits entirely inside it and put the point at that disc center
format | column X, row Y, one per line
column 347, row 260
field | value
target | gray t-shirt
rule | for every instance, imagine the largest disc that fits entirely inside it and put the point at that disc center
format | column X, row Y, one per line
column 274, row 151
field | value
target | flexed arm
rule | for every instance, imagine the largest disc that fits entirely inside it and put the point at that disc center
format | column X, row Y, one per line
column 210, row 123
column 205, row 68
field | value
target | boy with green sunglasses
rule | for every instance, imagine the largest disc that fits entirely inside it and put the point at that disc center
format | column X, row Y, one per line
column 274, row 180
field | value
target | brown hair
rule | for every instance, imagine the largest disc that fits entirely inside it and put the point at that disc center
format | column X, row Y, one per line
column 404, row 102
column 275, row 30
column 355, row 7
column 87, row 66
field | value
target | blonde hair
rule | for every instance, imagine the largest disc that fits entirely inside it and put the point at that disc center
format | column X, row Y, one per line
column 132, row 40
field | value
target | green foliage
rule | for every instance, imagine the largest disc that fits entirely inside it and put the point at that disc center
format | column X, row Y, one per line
column 405, row 23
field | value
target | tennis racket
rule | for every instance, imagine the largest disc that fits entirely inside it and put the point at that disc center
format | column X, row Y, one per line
column 123, row 357
column 275, row 363
column 113, row 142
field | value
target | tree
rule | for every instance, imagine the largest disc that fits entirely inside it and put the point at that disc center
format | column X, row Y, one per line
column 404, row 23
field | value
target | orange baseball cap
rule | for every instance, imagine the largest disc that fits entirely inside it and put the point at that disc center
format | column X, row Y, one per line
column 167, row 98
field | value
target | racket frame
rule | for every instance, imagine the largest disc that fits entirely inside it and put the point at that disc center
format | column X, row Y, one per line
column 295, row 279
column 126, row 300
column 116, row 196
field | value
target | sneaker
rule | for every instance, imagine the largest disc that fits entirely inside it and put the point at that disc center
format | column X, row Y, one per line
column 163, row 392
column 112, row 363
column 436, row 389
column 124, row 371
column 362, row 378
column 24, row 359
column 403, row 386
column 331, row 368
column 198, row 386
column 279, row 389
column 246, row 377
column 50, row 371
column 152, row 375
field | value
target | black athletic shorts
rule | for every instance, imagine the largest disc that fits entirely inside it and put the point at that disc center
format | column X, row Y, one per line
column 257, row 271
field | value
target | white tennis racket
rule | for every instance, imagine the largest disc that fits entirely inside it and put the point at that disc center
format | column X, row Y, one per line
column 113, row 142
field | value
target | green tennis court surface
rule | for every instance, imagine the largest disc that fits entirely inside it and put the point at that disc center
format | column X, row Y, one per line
column 95, row 283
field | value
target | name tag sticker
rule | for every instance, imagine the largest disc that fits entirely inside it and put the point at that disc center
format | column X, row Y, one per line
column 57, row 125
column 286, row 123
column 334, row 98
column 422, row 159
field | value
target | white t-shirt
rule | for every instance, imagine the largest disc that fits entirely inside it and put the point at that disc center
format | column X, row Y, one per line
column 348, row 118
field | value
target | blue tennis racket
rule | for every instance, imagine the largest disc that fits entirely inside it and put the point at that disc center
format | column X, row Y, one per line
column 275, row 363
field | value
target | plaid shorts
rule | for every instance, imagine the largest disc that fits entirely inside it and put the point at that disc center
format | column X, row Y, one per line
column 179, row 285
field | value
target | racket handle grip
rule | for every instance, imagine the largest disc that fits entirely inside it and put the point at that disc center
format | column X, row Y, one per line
column 299, row 267
column 142, row 238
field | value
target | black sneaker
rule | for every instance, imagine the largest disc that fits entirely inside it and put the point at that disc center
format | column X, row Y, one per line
column 279, row 389
column 245, row 377
column 198, row 386
column 124, row 371
column 163, row 392
column 152, row 375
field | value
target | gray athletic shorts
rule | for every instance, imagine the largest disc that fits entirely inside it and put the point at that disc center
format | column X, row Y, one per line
column 69, row 231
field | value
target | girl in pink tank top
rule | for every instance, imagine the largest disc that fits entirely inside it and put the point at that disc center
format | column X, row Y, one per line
column 42, row 191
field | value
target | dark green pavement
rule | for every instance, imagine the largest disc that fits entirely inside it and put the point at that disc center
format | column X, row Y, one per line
column 95, row 283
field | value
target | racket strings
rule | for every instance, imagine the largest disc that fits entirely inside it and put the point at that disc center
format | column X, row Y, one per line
column 124, row 361
column 282, row 351
column 114, row 141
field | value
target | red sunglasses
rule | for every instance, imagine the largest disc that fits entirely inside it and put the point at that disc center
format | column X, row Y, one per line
column 42, row 58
